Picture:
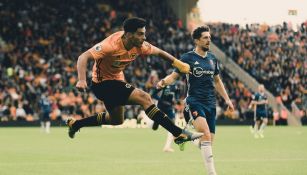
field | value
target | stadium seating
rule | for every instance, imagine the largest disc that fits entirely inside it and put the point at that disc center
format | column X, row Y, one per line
column 40, row 43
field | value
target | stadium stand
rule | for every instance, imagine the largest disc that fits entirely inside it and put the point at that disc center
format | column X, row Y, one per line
column 274, row 55
column 40, row 42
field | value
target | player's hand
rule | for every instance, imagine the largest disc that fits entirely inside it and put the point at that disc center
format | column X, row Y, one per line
column 81, row 85
column 181, row 66
column 230, row 105
column 161, row 84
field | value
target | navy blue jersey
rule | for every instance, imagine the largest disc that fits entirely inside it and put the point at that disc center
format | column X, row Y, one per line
column 259, row 97
column 165, row 96
column 201, row 86
column 45, row 104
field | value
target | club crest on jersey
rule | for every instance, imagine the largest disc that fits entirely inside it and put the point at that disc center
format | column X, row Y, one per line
column 132, row 56
column 128, row 85
column 211, row 63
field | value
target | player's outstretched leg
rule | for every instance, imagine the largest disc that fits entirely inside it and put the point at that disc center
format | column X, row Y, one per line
column 262, row 126
column 181, row 135
column 186, row 136
column 168, row 143
column 142, row 98
column 71, row 130
column 75, row 125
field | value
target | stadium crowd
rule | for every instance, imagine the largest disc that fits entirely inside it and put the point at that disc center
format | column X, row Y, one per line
column 274, row 55
column 41, row 41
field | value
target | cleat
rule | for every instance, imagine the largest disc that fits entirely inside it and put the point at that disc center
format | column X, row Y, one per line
column 155, row 126
column 186, row 136
column 181, row 146
column 71, row 130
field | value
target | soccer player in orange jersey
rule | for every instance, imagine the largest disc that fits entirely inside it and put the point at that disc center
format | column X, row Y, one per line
column 111, row 56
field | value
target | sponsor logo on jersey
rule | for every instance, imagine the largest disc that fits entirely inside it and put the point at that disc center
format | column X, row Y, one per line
column 198, row 72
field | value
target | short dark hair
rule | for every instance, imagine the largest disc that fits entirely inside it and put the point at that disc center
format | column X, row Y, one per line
column 196, row 34
column 132, row 24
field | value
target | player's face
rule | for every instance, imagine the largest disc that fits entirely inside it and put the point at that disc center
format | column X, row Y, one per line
column 138, row 37
column 204, row 41
column 261, row 88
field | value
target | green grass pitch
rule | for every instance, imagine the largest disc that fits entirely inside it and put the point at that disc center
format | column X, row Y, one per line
column 102, row 151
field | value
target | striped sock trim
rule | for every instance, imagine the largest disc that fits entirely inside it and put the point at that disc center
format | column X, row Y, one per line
column 205, row 143
column 152, row 112
column 101, row 118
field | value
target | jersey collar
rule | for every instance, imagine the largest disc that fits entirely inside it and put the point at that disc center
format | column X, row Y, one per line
column 200, row 55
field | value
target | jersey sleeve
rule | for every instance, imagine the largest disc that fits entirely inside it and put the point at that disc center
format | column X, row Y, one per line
column 184, row 59
column 217, row 67
column 101, row 50
column 149, row 49
column 256, row 97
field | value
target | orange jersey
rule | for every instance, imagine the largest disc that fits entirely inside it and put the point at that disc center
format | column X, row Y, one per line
column 111, row 57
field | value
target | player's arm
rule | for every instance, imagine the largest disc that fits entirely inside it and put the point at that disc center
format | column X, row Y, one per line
column 251, row 105
column 81, row 68
column 99, row 51
column 169, row 79
column 149, row 49
column 261, row 102
column 257, row 101
column 181, row 66
column 219, row 86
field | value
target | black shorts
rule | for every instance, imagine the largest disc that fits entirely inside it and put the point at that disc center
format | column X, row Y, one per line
column 112, row 92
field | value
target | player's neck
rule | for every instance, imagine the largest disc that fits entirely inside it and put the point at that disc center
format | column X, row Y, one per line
column 200, row 52
column 128, row 45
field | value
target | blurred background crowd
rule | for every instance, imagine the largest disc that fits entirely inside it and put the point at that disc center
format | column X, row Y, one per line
column 41, row 41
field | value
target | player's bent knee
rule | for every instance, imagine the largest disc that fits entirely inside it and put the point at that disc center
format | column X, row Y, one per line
column 206, row 136
column 146, row 100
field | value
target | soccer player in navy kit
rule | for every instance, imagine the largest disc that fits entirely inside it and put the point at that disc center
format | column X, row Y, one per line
column 202, row 83
column 260, row 101
column 45, row 106
column 166, row 99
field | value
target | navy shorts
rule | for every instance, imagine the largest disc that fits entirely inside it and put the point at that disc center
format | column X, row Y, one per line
column 112, row 92
column 200, row 110
column 45, row 116
column 261, row 114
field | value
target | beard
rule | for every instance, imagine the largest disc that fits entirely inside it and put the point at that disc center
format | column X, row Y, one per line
column 138, row 43
column 205, row 49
